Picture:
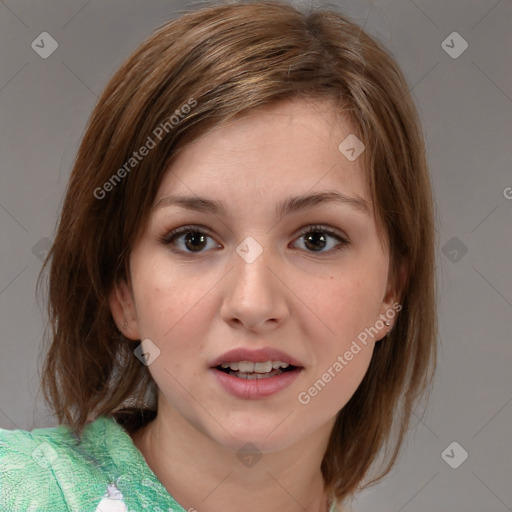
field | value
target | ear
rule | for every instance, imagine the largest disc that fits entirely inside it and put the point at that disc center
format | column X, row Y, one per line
column 391, row 305
column 122, row 307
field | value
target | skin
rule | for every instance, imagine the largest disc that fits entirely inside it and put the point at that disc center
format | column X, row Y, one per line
column 195, row 306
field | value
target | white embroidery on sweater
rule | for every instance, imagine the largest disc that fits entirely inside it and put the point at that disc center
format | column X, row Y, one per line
column 113, row 501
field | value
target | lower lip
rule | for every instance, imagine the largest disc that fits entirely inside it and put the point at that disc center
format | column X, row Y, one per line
column 253, row 389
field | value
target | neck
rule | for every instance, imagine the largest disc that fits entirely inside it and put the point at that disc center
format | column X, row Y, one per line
column 205, row 476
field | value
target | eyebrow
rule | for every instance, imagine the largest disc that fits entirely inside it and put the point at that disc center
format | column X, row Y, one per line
column 289, row 205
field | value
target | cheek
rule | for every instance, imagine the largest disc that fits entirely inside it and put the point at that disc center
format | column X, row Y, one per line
column 168, row 301
column 175, row 322
column 350, row 303
column 174, row 313
column 342, row 356
column 334, row 388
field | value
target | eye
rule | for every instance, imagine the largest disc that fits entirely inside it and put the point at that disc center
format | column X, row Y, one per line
column 322, row 239
column 189, row 239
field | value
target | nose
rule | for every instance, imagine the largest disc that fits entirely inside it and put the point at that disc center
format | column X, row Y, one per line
column 254, row 297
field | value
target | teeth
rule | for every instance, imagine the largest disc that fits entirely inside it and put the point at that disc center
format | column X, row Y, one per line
column 244, row 366
column 251, row 367
column 252, row 376
column 263, row 367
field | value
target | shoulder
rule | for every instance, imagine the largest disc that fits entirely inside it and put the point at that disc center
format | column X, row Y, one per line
column 26, row 477
column 54, row 470
column 47, row 469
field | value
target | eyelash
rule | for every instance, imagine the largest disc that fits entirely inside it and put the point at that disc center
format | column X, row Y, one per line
column 171, row 236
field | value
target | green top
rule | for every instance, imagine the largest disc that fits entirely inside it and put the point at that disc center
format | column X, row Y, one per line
column 48, row 469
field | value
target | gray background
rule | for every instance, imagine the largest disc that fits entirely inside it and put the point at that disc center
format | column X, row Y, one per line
column 465, row 104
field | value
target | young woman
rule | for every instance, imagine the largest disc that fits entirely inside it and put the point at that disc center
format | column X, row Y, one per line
column 241, row 288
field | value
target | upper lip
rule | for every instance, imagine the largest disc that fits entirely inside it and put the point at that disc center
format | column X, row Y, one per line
column 255, row 355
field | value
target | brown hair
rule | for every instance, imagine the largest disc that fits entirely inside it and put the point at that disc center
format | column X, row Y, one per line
column 221, row 61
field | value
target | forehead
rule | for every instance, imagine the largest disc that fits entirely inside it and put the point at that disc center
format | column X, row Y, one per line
column 288, row 146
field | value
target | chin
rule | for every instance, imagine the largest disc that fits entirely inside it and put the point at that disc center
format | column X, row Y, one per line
column 267, row 436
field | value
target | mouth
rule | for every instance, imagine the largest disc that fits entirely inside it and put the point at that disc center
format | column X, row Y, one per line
column 252, row 374
column 250, row 370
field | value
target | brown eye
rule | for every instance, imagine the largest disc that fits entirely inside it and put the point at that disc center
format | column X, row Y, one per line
column 315, row 240
column 189, row 239
column 320, row 239
column 195, row 241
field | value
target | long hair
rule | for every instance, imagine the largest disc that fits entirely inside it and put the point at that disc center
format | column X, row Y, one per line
column 195, row 72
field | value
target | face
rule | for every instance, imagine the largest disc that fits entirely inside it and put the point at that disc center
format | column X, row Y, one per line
column 260, row 280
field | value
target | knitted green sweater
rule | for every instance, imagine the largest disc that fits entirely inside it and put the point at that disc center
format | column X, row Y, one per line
column 50, row 470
